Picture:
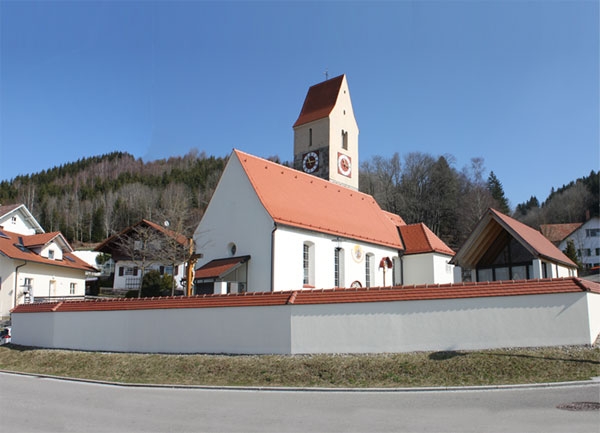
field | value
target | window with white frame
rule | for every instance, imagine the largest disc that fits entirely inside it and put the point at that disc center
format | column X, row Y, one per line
column 308, row 264
column 592, row 233
column 72, row 288
column 51, row 254
column 369, row 271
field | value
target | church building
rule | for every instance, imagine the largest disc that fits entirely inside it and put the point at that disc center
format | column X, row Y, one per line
column 269, row 227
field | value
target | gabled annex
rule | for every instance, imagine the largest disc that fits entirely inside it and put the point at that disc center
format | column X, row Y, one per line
column 502, row 248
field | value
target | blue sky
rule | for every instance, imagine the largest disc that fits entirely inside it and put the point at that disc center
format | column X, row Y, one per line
column 513, row 82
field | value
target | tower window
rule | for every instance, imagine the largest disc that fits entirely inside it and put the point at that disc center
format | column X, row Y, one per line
column 344, row 140
column 309, row 137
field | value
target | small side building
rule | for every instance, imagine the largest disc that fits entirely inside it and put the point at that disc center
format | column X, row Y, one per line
column 502, row 248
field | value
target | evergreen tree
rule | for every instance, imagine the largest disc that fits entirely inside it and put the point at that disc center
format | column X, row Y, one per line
column 495, row 188
column 571, row 253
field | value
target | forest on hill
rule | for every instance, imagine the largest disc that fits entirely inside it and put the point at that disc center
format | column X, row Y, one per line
column 94, row 198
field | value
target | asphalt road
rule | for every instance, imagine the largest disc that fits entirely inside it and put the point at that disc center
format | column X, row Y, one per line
column 33, row 404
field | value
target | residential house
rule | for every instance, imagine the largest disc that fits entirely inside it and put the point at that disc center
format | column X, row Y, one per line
column 132, row 257
column 585, row 237
column 16, row 218
column 272, row 228
column 38, row 267
column 502, row 248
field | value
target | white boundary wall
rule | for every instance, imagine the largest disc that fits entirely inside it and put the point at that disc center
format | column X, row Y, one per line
column 369, row 327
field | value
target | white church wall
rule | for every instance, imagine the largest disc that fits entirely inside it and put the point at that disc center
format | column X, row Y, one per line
column 207, row 330
column 418, row 269
column 236, row 216
column 375, row 327
column 453, row 324
column 443, row 270
column 289, row 274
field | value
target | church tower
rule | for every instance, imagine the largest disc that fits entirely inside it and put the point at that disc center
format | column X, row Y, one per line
column 326, row 134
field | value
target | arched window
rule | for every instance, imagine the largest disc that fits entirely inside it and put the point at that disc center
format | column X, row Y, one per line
column 338, row 267
column 369, row 270
column 308, row 264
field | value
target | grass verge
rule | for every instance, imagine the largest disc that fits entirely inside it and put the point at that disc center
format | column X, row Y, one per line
column 419, row 369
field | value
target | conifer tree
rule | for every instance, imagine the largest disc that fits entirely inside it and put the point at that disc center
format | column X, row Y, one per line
column 495, row 188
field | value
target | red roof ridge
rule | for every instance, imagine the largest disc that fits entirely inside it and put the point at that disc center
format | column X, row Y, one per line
column 329, row 295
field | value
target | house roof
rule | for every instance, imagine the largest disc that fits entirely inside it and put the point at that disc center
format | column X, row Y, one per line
column 491, row 226
column 19, row 207
column 419, row 239
column 304, row 201
column 320, row 100
column 39, row 240
column 330, row 296
column 219, row 267
column 5, row 209
column 108, row 245
column 556, row 233
column 15, row 246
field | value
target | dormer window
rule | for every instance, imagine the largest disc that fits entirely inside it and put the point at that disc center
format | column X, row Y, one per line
column 51, row 254
column 13, row 220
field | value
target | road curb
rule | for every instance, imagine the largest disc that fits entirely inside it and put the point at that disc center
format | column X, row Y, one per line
column 591, row 382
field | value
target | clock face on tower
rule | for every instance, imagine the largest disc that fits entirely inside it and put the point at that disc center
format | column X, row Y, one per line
column 344, row 164
column 310, row 162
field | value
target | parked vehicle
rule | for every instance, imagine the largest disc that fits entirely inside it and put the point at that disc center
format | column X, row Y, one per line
column 5, row 335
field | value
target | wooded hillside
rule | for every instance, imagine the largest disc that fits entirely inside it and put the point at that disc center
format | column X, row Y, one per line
column 93, row 198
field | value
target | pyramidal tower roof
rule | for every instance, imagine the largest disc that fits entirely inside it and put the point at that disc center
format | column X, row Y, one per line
column 320, row 100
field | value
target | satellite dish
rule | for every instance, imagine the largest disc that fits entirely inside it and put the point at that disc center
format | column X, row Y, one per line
column 166, row 223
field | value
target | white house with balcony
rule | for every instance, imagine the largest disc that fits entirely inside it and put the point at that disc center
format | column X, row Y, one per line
column 35, row 266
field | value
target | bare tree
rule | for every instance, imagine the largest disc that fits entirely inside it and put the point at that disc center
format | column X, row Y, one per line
column 142, row 245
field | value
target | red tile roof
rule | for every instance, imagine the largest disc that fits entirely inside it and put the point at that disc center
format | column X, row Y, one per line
column 556, row 233
column 43, row 239
column 219, row 267
column 9, row 248
column 8, row 208
column 329, row 296
column 320, row 100
column 419, row 239
column 540, row 244
column 301, row 200
column 108, row 245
